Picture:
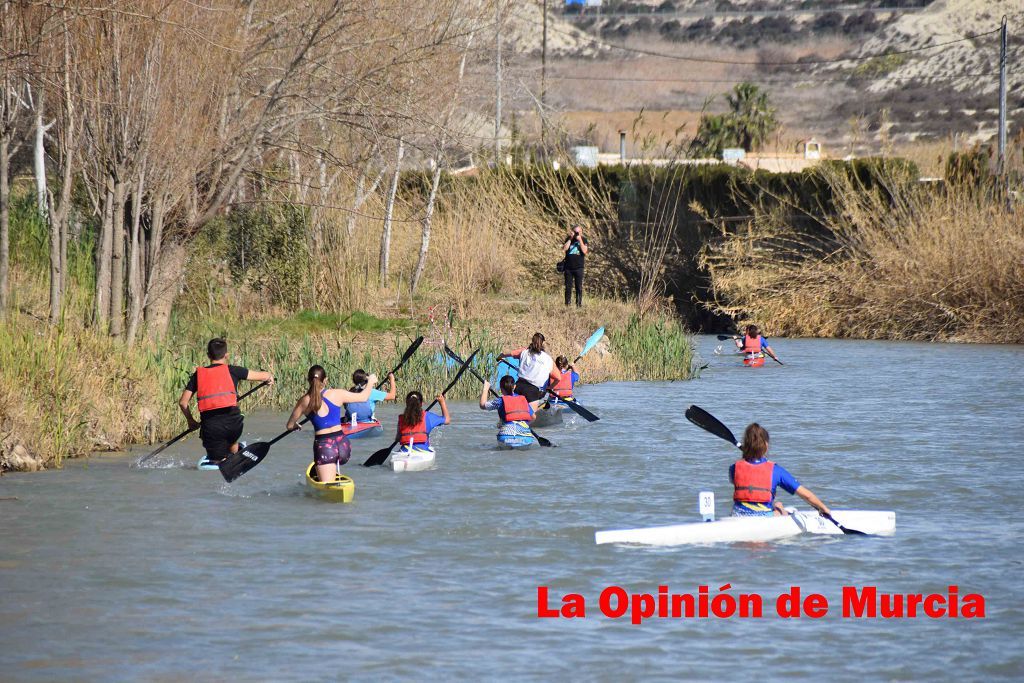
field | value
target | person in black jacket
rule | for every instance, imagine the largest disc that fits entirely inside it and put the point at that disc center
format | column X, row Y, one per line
column 576, row 249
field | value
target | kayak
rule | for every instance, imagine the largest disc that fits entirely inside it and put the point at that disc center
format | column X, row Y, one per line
column 415, row 460
column 341, row 490
column 548, row 417
column 362, row 429
column 752, row 361
column 516, row 443
column 754, row 529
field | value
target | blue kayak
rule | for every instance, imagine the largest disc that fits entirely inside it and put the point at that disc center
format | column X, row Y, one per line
column 516, row 443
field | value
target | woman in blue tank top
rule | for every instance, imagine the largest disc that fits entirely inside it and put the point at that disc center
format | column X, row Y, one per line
column 331, row 448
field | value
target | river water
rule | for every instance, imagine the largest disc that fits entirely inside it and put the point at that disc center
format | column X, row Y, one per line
column 115, row 573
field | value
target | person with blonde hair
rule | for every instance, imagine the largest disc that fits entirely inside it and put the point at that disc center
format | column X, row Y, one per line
column 755, row 480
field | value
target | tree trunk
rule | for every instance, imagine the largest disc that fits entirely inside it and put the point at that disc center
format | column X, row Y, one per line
column 135, row 262
column 117, row 261
column 5, row 217
column 421, row 262
column 385, row 238
column 167, row 276
column 103, row 255
column 39, row 159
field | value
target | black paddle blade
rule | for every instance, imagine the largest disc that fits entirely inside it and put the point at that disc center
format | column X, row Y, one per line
column 544, row 443
column 237, row 464
column 710, row 423
column 724, row 337
column 408, row 354
column 380, row 456
column 581, row 411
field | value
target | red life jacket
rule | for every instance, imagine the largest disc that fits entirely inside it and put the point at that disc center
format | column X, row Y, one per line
column 517, row 408
column 417, row 432
column 753, row 482
column 751, row 344
column 563, row 387
column 215, row 388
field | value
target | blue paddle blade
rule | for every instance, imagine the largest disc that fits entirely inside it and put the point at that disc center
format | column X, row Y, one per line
column 501, row 369
column 592, row 341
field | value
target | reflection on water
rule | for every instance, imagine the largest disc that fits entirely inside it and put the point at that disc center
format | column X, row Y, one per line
column 112, row 573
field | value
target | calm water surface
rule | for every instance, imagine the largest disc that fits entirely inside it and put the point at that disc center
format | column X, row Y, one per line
column 114, row 573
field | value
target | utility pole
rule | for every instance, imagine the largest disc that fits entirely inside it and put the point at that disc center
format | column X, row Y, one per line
column 543, row 72
column 1002, row 98
column 497, row 84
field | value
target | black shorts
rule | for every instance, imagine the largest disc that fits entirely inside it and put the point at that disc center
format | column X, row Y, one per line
column 532, row 393
column 219, row 433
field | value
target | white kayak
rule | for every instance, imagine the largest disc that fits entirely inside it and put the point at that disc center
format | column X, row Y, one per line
column 415, row 460
column 755, row 529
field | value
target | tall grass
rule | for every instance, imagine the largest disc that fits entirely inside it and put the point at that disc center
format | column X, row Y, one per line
column 655, row 349
column 908, row 261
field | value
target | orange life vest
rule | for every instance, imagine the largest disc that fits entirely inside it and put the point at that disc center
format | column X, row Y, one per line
column 751, row 344
column 517, row 408
column 215, row 388
column 417, row 433
column 753, row 482
column 563, row 387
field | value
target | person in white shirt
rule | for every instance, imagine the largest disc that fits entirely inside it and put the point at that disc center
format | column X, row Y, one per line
column 536, row 369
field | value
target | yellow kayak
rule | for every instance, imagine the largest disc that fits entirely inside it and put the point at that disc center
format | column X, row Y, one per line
column 341, row 490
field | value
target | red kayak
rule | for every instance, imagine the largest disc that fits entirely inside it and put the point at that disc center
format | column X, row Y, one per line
column 753, row 361
column 362, row 429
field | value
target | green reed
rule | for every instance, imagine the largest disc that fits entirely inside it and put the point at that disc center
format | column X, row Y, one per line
column 654, row 350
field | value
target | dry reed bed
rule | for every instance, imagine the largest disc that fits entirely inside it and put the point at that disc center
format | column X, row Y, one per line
column 909, row 261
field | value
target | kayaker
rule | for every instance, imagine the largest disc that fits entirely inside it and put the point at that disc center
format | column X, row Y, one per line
column 536, row 369
column 753, row 344
column 331, row 447
column 755, row 479
column 415, row 424
column 215, row 386
column 564, row 386
column 364, row 410
column 515, row 411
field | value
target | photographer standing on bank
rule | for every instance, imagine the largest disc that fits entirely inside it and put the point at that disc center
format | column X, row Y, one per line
column 575, row 248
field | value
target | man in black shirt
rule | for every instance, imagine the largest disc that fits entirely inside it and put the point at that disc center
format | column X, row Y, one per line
column 575, row 248
column 216, row 389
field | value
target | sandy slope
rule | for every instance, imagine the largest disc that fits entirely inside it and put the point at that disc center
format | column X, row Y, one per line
column 949, row 20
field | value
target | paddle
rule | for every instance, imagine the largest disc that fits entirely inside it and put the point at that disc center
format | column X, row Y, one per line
column 545, row 443
column 237, row 464
column 188, row 431
column 712, row 424
column 380, row 456
column 573, row 405
column 591, row 343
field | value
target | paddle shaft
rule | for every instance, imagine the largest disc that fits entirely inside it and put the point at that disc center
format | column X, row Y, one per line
column 545, row 443
column 380, row 456
column 188, row 431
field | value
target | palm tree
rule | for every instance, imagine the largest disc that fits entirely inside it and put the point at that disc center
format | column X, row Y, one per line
column 714, row 133
column 752, row 116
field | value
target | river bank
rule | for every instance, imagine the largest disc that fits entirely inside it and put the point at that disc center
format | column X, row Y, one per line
column 68, row 391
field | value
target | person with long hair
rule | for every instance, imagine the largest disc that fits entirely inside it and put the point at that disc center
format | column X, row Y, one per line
column 536, row 370
column 515, row 411
column 364, row 410
column 753, row 344
column 331, row 448
column 415, row 424
column 564, row 386
column 755, row 479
